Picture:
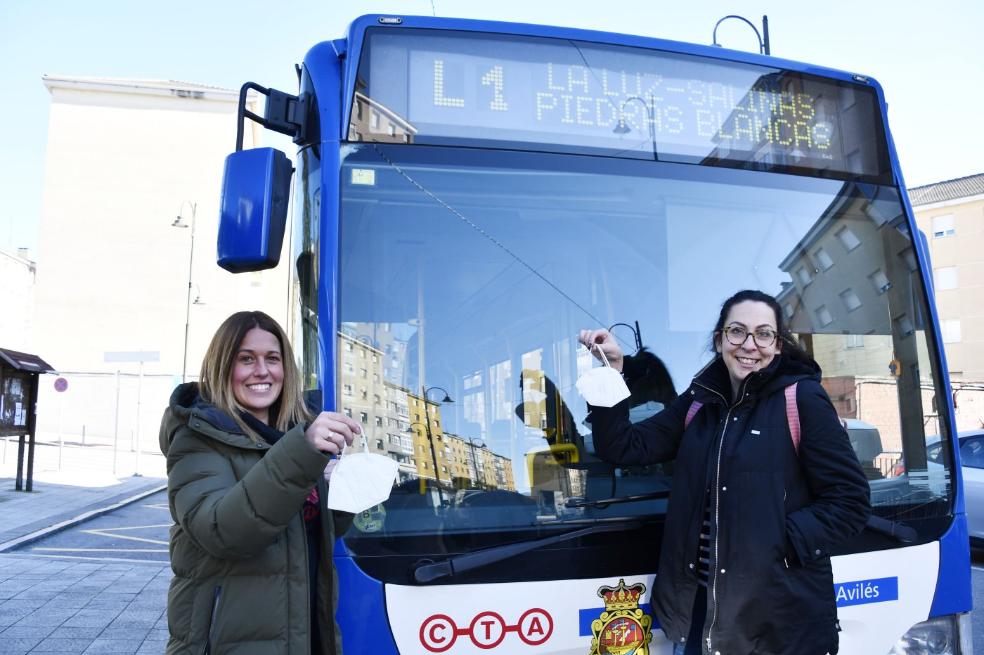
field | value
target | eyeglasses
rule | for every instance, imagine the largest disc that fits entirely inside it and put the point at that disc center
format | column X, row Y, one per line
column 736, row 335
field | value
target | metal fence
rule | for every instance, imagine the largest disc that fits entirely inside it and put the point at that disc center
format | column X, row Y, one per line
column 103, row 423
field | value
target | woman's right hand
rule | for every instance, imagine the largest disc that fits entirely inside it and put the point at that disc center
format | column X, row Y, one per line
column 595, row 340
column 330, row 432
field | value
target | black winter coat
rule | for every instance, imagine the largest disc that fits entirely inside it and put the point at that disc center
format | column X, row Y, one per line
column 774, row 514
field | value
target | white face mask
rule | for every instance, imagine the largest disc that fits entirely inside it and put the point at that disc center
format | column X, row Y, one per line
column 361, row 480
column 603, row 386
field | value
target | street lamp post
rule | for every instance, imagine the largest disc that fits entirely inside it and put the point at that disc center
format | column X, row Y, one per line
column 622, row 128
column 430, row 437
column 764, row 48
column 471, row 442
column 635, row 333
column 179, row 222
column 430, row 440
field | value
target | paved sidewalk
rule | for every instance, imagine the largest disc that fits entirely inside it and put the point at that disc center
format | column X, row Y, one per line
column 70, row 606
column 51, row 604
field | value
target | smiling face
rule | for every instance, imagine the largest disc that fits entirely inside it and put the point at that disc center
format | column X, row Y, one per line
column 744, row 359
column 258, row 374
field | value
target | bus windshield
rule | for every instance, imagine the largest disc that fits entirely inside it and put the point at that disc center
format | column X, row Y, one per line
column 465, row 275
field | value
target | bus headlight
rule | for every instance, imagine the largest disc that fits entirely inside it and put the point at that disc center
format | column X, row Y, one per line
column 944, row 635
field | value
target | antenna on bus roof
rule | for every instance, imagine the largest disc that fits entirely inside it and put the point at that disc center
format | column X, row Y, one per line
column 763, row 42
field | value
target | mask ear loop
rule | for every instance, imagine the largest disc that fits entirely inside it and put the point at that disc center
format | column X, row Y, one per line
column 603, row 358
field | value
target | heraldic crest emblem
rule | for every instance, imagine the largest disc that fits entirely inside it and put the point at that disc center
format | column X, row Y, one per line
column 623, row 628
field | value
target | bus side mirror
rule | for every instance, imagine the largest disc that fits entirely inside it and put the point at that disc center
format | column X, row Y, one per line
column 255, row 194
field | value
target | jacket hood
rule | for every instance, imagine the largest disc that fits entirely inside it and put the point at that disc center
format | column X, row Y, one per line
column 187, row 408
column 781, row 372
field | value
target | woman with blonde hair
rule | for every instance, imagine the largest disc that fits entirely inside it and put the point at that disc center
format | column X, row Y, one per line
column 246, row 463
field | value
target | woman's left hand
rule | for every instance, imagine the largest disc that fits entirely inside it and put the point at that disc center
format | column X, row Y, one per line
column 330, row 432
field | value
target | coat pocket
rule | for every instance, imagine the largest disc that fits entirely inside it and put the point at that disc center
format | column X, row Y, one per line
column 210, row 635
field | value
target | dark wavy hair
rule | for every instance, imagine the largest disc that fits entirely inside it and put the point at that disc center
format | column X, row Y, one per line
column 790, row 346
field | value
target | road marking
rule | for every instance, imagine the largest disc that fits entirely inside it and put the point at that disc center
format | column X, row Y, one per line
column 111, row 532
column 92, row 559
column 34, row 536
column 158, row 506
column 102, row 550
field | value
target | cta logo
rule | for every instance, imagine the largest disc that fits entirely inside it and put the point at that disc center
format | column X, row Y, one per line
column 486, row 630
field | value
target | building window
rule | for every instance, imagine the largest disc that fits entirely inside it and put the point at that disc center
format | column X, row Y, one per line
column 823, row 316
column 848, row 239
column 880, row 281
column 854, row 341
column 379, row 444
column 788, row 310
column 803, row 275
column 379, row 421
column 363, row 417
column 905, row 325
column 850, row 299
column 348, row 412
column 943, row 226
column 348, row 346
column 823, row 259
column 347, row 389
column 910, row 260
column 945, row 278
column 951, row 330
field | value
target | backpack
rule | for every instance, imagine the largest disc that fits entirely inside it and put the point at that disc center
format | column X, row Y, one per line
column 792, row 415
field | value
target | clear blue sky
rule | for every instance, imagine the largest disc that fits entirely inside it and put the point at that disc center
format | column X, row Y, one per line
column 927, row 56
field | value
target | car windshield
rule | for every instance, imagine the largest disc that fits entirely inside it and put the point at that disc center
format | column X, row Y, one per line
column 465, row 276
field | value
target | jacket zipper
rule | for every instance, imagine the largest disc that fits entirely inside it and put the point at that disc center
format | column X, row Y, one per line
column 211, row 620
column 717, row 508
column 327, row 547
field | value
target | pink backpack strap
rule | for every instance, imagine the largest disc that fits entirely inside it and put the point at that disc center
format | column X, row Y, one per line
column 793, row 416
column 692, row 412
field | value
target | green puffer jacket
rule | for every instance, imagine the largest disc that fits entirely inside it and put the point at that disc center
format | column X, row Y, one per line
column 238, row 543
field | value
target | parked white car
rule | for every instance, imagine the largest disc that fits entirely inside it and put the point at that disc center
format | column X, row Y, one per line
column 972, row 467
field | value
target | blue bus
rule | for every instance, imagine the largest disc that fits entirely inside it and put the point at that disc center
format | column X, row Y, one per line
column 467, row 195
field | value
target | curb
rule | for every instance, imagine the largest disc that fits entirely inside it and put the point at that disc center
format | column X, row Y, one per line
column 62, row 525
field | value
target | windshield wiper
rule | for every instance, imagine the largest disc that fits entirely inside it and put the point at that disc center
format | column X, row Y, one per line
column 429, row 571
column 605, row 502
column 896, row 529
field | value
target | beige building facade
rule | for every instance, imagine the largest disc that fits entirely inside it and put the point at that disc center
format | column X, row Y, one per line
column 128, row 225
column 951, row 215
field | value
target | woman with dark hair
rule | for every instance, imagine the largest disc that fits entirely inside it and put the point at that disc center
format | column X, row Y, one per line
column 246, row 474
column 753, row 514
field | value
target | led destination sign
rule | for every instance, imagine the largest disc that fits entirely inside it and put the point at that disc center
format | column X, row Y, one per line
column 440, row 87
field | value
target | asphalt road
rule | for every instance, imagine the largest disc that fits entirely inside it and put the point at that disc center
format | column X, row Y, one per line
column 977, row 616
column 136, row 532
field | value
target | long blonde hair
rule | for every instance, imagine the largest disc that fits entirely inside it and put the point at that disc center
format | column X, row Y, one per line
column 220, row 358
